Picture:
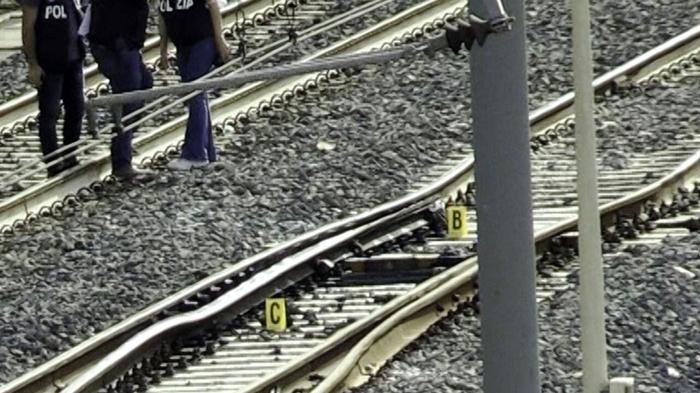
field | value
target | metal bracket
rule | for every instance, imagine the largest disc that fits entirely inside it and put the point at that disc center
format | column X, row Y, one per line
column 498, row 19
column 476, row 28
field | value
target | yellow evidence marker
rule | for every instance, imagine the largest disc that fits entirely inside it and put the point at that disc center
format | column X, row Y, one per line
column 456, row 215
column 276, row 314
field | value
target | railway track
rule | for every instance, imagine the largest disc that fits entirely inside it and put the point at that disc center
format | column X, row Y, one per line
column 626, row 209
column 370, row 272
column 246, row 14
column 18, row 116
column 651, row 284
column 24, row 189
column 406, row 21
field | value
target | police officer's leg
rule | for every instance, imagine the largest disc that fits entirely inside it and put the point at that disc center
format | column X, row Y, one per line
column 109, row 63
column 146, row 75
column 129, row 78
column 211, row 146
column 49, row 110
column 74, row 105
column 124, row 70
column 194, row 62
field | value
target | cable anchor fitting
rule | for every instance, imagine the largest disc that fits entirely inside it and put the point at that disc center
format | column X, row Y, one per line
column 477, row 29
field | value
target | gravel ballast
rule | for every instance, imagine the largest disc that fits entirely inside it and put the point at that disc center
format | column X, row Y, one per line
column 67, row 279
column 13, row 77
column 631, row 123
column 652, row 325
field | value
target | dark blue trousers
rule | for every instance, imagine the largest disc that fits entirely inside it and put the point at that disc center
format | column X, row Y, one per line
column 195, row 61
column 126, row 72
column 66, row 86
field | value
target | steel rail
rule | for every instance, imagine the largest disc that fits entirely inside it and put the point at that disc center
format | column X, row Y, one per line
column 348, row 61
column 59, row 367
column 390, row 316
column 342, row 231
column 23, row 202
column 627, row 69
column 39, row 164
column 679, row 176
column 235, row 301
column 372, row 328
column 682, row 175
column 94, row 344
column 674, row 179
column 688, row 171
column 416, row 300
column 194, row 292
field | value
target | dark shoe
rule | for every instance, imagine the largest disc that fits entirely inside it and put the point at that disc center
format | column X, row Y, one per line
column 61, row 166
column 130, row 173
column 54, row 170
column 70, row 163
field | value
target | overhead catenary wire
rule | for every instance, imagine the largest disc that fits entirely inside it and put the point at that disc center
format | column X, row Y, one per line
column 380, row 56
column 141, row 116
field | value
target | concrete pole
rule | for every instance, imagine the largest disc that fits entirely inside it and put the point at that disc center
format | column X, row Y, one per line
column 592, row 302
column 504, row 207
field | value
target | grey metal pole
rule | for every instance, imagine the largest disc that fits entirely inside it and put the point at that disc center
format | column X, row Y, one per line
column 504, row 207
column 595, row 361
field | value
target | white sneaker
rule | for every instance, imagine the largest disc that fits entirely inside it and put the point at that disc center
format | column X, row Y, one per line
column 182, row 164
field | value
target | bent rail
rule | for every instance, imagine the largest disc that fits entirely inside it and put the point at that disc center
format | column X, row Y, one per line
column 281, row 251
column 328, row 237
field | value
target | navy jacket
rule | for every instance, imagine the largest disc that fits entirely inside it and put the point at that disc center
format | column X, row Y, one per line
column 118, row 24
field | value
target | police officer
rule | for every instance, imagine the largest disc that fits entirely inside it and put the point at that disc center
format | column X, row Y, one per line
column 194, row 26
column 54, row 54
column 117, row 32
